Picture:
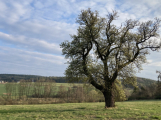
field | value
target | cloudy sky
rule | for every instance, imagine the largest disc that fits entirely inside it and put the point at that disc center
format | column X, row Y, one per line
column 31, row 31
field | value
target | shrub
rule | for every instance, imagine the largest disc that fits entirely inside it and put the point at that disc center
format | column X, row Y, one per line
column 144, row 92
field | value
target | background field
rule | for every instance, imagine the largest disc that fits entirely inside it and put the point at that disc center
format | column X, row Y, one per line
column 145, row 110
column 41, row 92
column 3, row 90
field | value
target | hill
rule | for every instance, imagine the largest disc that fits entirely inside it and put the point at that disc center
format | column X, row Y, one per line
column 145, row 81
column 17, row 77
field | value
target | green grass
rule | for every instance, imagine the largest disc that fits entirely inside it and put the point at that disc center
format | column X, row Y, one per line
column 129, row 110
column 2, row 89
column 68, row 84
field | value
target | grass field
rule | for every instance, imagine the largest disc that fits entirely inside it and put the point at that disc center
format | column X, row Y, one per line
column 129, row 110
column 3, row 90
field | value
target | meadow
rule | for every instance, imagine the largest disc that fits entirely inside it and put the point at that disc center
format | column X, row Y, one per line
column 2, row 89
column 41, row 92
column 66, row 107
column 128, row 110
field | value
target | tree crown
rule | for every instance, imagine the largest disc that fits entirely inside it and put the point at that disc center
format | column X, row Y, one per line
column 100, row 52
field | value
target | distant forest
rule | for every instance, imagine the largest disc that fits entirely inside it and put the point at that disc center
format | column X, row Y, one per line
column 16, row 78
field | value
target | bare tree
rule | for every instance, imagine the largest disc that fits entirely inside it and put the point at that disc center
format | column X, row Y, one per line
column 101, row 52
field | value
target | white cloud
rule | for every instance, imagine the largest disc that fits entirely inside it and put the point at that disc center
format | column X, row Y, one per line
column 31, row 43
column 141, row 8
column 31, row 62
column 149, row 69
column 14, row 11
column 45, row 29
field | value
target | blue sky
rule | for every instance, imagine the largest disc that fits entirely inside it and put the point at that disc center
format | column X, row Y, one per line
column 31, row 31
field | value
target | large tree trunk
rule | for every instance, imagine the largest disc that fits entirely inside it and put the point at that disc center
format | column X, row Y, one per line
column 109, row 98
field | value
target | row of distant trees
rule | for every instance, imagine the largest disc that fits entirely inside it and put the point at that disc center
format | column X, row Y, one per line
column 16, row 78
column 47, row 91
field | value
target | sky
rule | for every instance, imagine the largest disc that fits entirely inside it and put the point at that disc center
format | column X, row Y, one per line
column 31, row 32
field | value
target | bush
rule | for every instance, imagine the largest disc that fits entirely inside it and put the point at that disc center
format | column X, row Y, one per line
column 144, row 92
column 158, row 91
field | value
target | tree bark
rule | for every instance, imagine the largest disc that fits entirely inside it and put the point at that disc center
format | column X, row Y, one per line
column 109, row 98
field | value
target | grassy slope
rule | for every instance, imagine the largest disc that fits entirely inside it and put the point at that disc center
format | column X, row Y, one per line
column 123, row 110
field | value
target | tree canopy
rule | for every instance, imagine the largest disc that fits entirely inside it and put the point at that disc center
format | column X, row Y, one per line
column 101, row 52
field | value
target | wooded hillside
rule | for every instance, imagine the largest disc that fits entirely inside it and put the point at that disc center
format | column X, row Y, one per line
column 16, row 78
